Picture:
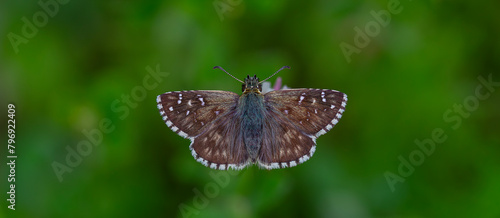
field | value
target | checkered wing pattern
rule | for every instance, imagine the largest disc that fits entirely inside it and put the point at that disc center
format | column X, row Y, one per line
column 295, row 118
column 208, row 119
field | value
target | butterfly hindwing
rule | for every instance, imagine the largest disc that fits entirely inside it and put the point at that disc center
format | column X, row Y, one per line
column 283, row 143
column 221, row 145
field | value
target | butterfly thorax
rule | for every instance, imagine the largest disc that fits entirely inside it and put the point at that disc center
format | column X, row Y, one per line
column 251, row 108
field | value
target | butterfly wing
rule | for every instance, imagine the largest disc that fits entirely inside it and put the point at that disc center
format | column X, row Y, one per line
column 299, row 117
column 208, row 119
column 187, row 113
column 221, row 145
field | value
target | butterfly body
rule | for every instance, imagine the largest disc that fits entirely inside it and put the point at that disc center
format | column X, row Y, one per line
column 251, row 108
column 276, row 129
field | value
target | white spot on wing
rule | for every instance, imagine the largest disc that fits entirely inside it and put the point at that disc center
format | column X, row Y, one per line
column 283, row 165
column 174, row 128
column 313, row 149
column 170, row 108
column 293, row 163
column 328, row 127
column 275, row 165
column 343, row 104
column 187, row 113
column 314, row 139
column 202, row 102
column 169, row 123
column 335, row 121
column 333, row 106
column 183, row 134
column 301, row 98
column 321, row 132
column 160, row 107
column 189, row 103
column 202, row 161
column 213, row 166
column 162, row 113
column 303, row 158
column 222, row 167
column 286, row 111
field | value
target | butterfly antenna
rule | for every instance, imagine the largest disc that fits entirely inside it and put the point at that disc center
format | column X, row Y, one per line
column 228, row 73
column 287, row 67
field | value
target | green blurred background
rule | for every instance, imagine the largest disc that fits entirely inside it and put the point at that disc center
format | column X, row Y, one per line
column 72, row 73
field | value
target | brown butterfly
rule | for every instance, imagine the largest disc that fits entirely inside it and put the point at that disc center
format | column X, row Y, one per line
column 276, row 129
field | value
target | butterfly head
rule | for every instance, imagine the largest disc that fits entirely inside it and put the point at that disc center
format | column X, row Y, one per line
column 252, row 85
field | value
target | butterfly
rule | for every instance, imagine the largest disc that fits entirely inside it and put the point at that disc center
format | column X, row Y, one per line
column 277, row 129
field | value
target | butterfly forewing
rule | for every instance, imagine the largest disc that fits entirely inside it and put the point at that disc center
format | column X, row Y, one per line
column 314, row 111
column 188, row 112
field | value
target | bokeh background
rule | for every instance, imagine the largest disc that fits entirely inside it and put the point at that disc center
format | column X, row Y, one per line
column 79, row 65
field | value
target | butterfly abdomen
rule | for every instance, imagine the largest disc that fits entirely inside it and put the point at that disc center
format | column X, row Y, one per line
column 252, row 111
